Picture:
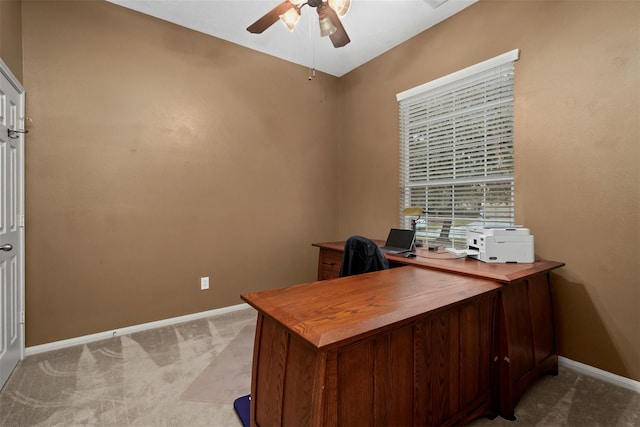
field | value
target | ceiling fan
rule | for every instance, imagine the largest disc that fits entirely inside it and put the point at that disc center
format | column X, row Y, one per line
column 329, row 12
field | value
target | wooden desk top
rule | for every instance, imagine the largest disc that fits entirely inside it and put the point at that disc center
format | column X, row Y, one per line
column 504, row 273
column 344, row 310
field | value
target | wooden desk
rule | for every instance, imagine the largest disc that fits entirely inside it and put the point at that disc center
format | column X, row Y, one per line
column 525, row 327
column 405, row 346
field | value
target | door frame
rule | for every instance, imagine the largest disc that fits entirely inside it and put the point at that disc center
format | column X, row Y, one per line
column 21, row 122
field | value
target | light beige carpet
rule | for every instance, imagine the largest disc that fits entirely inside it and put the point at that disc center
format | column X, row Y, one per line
column 229, row 375
column 141, row 380
column 126, row 381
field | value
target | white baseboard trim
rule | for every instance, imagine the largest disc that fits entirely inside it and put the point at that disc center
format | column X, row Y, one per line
column 130, row 329
column 605, row 376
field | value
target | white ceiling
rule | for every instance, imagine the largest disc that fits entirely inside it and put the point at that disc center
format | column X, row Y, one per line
column 374, row 26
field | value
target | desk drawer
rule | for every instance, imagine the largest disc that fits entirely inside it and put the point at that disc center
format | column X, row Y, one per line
column 329, row 264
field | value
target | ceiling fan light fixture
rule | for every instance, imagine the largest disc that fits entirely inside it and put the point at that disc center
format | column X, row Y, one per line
column 340, row 6
column 326, row 26
column 289, row 13
column 291, row 17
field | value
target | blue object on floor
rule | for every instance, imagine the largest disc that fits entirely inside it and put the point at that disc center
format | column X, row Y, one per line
column 242, row 406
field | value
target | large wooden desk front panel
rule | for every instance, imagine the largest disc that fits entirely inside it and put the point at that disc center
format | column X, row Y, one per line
column 405, row 346
column 525, row 326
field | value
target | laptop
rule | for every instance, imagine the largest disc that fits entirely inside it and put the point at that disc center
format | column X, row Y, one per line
column 399, row 241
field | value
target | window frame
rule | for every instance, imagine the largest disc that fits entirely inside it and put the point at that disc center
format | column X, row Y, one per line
column 452, row 115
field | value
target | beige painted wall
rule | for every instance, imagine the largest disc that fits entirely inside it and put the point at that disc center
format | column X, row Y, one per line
column 139, row 128
column 158, row 155
column 11, row 35
column 577, row 151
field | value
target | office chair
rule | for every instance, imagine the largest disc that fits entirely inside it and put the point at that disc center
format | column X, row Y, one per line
column 361, row 255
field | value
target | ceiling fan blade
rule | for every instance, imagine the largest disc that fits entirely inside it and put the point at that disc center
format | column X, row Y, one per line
column 269, row 18
column 340, row 37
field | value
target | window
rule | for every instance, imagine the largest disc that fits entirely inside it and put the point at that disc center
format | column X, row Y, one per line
column 456, row 151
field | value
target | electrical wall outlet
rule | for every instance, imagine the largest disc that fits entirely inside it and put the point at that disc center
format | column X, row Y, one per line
column 204, row 283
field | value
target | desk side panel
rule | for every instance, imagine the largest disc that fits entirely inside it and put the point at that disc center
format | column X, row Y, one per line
column 356, row 384
column 287, row 381
column 269, row 358
column 300, row 377
column 519, row 329
column 437, row 356
column 394, row 371
column 329, row 262
column 542, row 317
column 528, row 348
column 375, row 381
column 435, row 371
column 454, row 352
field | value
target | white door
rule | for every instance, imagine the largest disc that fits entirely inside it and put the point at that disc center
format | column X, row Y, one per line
column 11, row 223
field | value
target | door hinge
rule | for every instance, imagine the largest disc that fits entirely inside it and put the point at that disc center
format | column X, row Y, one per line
column 20, row 220
column 22, row 317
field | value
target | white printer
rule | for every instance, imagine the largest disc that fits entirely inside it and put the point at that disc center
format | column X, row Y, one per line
column 500, row 244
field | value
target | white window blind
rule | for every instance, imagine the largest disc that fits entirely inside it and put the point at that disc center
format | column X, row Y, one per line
column 456, row 151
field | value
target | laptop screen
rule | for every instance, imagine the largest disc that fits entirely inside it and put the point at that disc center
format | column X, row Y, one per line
column 400, row 238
